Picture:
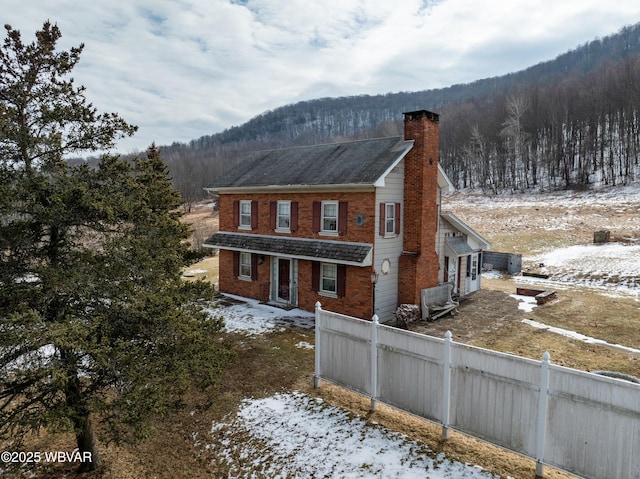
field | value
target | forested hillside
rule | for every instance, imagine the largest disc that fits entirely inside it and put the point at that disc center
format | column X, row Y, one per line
column 569, row 122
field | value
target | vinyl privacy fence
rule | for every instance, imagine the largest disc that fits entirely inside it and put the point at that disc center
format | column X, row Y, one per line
column 580, row 422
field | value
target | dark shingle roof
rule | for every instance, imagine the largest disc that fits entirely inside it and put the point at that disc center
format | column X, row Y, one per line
column 349, row 163
column 321, row 250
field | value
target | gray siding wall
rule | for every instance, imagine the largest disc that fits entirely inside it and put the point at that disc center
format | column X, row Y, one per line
column 386, row 290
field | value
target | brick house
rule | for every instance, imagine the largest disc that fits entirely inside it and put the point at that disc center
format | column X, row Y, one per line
column 355, row 225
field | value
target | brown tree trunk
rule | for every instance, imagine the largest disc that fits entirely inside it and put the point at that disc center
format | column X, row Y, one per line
column 80, row 416
column 87, row 444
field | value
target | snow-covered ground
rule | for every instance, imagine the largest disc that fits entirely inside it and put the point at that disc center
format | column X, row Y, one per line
column 569, row 257
column 612, row 266
column 250, row 317
column 294, row 435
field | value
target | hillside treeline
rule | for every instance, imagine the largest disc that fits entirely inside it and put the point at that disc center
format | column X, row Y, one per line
column 573, row 133
column 570, row 122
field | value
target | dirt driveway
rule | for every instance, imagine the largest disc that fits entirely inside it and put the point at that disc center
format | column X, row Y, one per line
column 481, row 313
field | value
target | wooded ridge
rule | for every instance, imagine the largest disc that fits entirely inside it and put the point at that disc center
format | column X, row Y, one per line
column 567, row 123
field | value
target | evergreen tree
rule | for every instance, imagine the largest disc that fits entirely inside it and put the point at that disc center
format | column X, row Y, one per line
column 95, row 321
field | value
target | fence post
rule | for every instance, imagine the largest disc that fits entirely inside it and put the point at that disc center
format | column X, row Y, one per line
column 316, row 374
column 543, row 400
column 446, row 385
column 374, row 361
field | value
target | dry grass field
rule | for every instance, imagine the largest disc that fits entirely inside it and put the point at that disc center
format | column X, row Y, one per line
column 270, row 362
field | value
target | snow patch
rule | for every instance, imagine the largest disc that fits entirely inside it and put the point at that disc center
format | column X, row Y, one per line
column 578, row 336
column 525, row 303
column 294, row 435
column 250, row 317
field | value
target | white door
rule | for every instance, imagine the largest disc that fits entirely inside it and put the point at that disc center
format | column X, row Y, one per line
column 473, row 280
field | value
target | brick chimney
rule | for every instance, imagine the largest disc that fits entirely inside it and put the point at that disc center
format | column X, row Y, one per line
column 419, row 261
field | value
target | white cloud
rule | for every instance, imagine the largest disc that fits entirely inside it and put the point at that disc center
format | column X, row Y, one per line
column 183, row 69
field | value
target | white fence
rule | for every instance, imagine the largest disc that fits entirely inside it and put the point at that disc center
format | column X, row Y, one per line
column 580, row 422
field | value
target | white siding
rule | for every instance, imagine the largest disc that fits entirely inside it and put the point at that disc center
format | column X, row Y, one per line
column 388, row 248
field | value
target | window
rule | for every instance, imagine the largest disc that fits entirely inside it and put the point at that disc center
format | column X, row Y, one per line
column 284, row 215
column 330, row 216
column 245, row 214
column 390, row 221
column 245, row 265
column 328, row 278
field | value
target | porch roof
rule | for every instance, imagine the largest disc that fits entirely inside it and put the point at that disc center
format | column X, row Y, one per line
column 343, row 252
column 458, row 246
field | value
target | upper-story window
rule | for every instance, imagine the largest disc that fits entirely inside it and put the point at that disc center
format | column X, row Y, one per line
column 390, row 219
column 330, row 216
column 284, row 215
column 245, row 214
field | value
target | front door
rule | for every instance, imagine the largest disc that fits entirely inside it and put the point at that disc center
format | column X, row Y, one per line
column 284, row 280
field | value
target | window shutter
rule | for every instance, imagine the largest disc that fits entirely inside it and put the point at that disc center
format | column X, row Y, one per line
column 315, row 276
column 254, row 267
column 236, row 263
column 383, row 218
column 397, row 218
column 273, row 214
column 254, row 215
column 294, row 216
column 468, row 266
column 317, row 213
column 236, row 213
column 342, row 280
column 342, row 217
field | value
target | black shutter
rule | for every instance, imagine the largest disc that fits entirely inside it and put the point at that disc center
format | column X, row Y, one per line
column 315, row 276
column 236, row 263
column 397, row 218
column 317, row 213
column 342, row 217
column 383, row 219
column 342, row 281
column 294, row 216
column 254, row 215
column 254, row 267
column 273, row 214
column 236, row 213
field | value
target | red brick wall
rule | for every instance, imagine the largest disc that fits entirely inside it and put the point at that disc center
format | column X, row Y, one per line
column 419, row 262
column 357, row 302
column 358, row 203
column 358, row 299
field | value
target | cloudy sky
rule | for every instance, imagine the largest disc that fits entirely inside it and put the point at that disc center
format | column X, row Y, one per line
column 180, row 69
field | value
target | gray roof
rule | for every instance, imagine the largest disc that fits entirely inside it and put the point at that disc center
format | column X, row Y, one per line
column 458, row 245
column 465, row 228
column 348, row 163
column 358, row 254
